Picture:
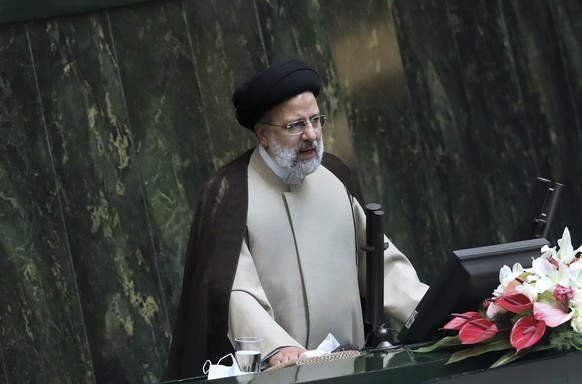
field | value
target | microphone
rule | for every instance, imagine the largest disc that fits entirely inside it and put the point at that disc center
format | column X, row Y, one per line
column 375, row 246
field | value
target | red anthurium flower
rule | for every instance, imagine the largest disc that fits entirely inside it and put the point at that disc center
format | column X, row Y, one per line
column 477, row 330
column 516, row 303
column 459, row 320
column 553, row 314
column 526, row 332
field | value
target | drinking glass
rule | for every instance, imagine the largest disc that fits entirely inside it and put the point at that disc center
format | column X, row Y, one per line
column 247, row 351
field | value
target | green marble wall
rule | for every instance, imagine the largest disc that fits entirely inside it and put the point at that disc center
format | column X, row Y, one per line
column 110, row 122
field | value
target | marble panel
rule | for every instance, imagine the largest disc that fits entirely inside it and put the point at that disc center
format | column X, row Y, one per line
column 42, row 335
column 3, row 373
column 101, row 191
column 454, row 215
column 543, row 54
column 228, row 50
column 502, row 151
column 371, row 75
column 485, row 134
column 568, row 23
column 168, row 126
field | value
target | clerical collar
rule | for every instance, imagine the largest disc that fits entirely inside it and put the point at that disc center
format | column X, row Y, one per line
column 281, row 172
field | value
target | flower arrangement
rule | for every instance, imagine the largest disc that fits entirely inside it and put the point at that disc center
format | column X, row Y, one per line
column 532, row 309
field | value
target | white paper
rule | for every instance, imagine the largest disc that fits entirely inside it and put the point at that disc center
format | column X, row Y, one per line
column 326, row 346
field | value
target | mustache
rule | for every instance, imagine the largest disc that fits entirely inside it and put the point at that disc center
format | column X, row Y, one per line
column 307, row 145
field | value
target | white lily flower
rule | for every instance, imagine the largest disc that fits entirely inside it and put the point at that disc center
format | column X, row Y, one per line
column 541, row 268
column 576, row 300
column 548, row 252
column 576, row 323
column 566, row 252
column 576, row 304
column 506, row 276
column 528, row 290
column 575, row 274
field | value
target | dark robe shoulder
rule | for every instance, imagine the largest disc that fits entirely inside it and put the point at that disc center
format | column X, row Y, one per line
column 216, row 235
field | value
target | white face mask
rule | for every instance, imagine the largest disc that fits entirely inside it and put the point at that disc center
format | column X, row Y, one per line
column 216, row 371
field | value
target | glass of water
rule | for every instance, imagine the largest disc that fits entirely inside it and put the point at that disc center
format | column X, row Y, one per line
column 248, row 353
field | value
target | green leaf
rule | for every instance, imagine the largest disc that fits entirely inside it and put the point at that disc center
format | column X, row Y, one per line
column 508, row 358
column 564, row 338
column 512, row 356
column 479, row 349
column 445, row 342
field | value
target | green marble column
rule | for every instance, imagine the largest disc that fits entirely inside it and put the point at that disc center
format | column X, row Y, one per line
column 103, row 201
column 366, row 54
column 450, row 201
column 546, row 39
column 168, row 126
column 42, row 332
column 228, row 50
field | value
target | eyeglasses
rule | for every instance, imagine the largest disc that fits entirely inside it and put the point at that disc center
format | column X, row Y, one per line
column 298, row 127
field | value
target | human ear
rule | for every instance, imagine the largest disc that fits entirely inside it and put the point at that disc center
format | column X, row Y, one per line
column 261, row 132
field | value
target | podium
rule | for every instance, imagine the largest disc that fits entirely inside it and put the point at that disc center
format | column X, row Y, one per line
column 402, row 366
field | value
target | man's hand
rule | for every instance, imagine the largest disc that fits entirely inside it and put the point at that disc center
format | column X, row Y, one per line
column 285, row 355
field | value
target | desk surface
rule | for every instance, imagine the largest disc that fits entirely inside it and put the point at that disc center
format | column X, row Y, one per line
column 401, row 366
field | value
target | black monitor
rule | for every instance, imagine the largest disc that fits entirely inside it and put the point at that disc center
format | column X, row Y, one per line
column 468, row 277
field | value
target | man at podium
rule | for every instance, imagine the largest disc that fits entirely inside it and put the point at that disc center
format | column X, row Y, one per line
column 274, row 248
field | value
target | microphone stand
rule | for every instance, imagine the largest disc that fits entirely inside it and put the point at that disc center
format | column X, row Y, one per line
column 375, row 246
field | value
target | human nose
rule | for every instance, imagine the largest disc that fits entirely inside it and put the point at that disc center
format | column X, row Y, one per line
column 309, row 131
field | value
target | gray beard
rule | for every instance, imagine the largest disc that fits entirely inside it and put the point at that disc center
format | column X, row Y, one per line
column 288, row 158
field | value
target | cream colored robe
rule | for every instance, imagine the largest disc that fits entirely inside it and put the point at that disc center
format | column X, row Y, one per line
column 297, row 278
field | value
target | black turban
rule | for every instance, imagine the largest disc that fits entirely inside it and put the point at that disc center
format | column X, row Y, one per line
column 272, row 86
